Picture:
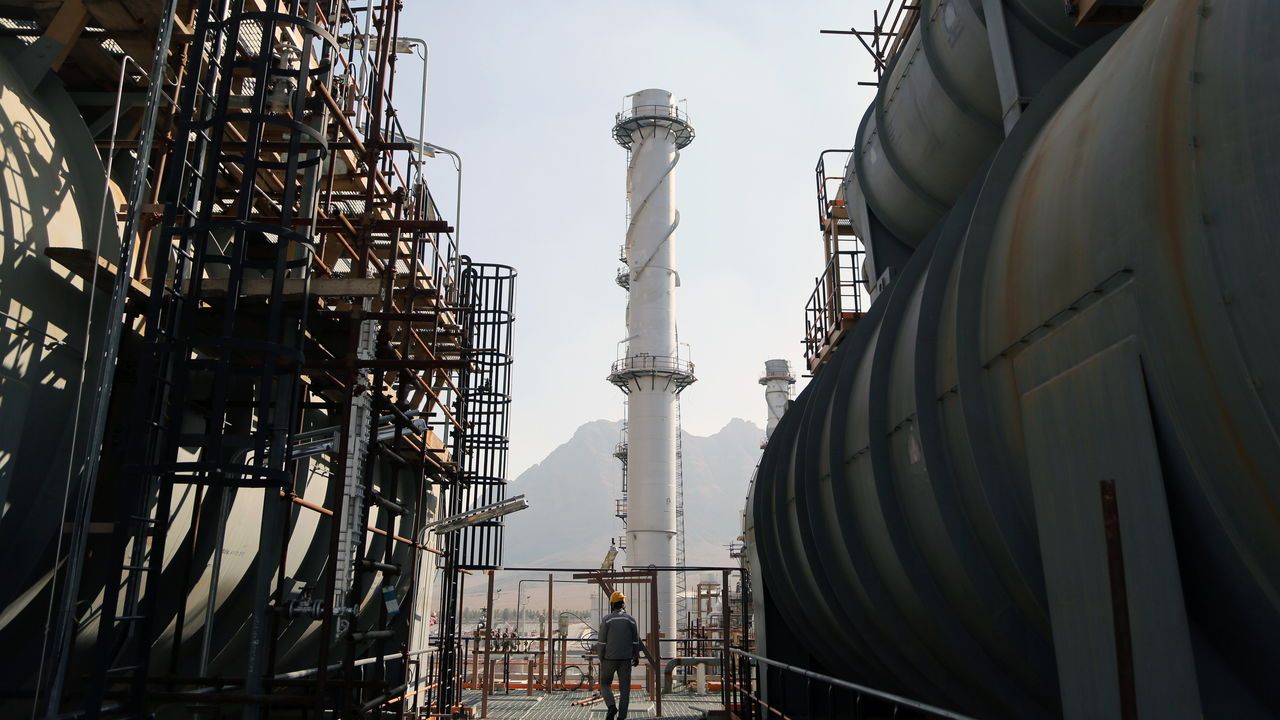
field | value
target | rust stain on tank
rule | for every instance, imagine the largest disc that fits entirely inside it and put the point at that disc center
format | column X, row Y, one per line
column 1171, row 194
column 1027, row 184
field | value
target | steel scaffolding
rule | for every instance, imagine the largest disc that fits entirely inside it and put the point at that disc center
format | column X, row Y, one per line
column 296, row 313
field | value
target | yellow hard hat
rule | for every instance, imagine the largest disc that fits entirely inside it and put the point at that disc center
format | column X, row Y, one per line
column 617, row 597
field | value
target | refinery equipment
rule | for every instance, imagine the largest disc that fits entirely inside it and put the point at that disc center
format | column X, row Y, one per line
column 778, row 381
column 254, row 398
column 652, row 372
column 246, row 366
column 1039, row 476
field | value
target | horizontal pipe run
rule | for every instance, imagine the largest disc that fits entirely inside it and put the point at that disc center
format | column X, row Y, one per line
column 384, row 568
column 358, row 663
column 605, row 573
column 391, row 505
column 377, row 531
column 385, row 698
column 388, row 363
column 669, row 670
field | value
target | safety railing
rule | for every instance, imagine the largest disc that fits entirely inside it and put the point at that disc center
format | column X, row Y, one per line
column 670, row 117
column 672, row 112
column 646, row 364
column 756, row 688
column 835, row 305
column 827, row 207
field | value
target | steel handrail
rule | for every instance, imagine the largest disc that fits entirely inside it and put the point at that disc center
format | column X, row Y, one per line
column 833, row 294
column 665, row 112
column 824, row 203
column 663, row 363
column 843, row 685
column 669, row 117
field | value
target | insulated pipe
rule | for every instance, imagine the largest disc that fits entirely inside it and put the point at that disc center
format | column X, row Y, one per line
column 670, row 668
column 894, row 514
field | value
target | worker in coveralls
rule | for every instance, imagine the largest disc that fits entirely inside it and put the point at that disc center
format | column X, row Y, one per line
column 620, row 648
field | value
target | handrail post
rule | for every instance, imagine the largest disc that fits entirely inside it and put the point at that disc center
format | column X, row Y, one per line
column 833, row 267
column 656, row 652
column 487, row 682
column 547, row 659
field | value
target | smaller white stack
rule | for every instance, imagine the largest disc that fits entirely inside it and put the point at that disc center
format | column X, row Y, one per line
column 777, row 381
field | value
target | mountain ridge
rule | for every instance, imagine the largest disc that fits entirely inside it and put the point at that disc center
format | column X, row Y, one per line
column 571, row 494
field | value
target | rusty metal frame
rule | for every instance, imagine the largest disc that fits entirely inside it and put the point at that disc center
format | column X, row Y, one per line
column 281, row 163
column 890, row 28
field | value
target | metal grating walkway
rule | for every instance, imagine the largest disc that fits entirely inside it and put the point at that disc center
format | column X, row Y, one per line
column 676, row 706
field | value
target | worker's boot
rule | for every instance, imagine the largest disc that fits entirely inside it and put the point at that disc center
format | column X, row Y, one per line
column 612, row 714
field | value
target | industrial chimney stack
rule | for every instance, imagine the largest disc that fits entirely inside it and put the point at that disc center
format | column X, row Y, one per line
column 777, row 381
column 651, row 371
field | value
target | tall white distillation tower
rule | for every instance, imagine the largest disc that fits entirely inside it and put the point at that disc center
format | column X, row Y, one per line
column 652, row 373
column 777, row 381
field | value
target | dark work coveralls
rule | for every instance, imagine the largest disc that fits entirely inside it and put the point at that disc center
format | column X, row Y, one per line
column 619, row 647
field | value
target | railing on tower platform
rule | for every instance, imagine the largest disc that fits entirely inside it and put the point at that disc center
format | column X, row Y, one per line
column 631, row 370
column 839, row 297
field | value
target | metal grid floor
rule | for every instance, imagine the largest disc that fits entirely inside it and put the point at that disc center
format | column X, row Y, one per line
column 675, row 706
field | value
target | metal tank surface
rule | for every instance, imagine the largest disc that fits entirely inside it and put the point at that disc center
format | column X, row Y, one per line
column 941, row 111
column 297, row 641
column 1041, row 477
column 52, row 185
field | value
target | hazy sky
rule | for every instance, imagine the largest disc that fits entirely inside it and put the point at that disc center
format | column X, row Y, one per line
column 526, row 92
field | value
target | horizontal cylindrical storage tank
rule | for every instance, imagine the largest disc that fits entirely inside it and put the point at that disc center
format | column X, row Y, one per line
column 1127, row 222
column 938, row 114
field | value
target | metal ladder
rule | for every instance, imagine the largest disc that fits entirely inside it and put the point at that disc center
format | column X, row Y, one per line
column 124, row 635
column 186, row 237
column 681, row 579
